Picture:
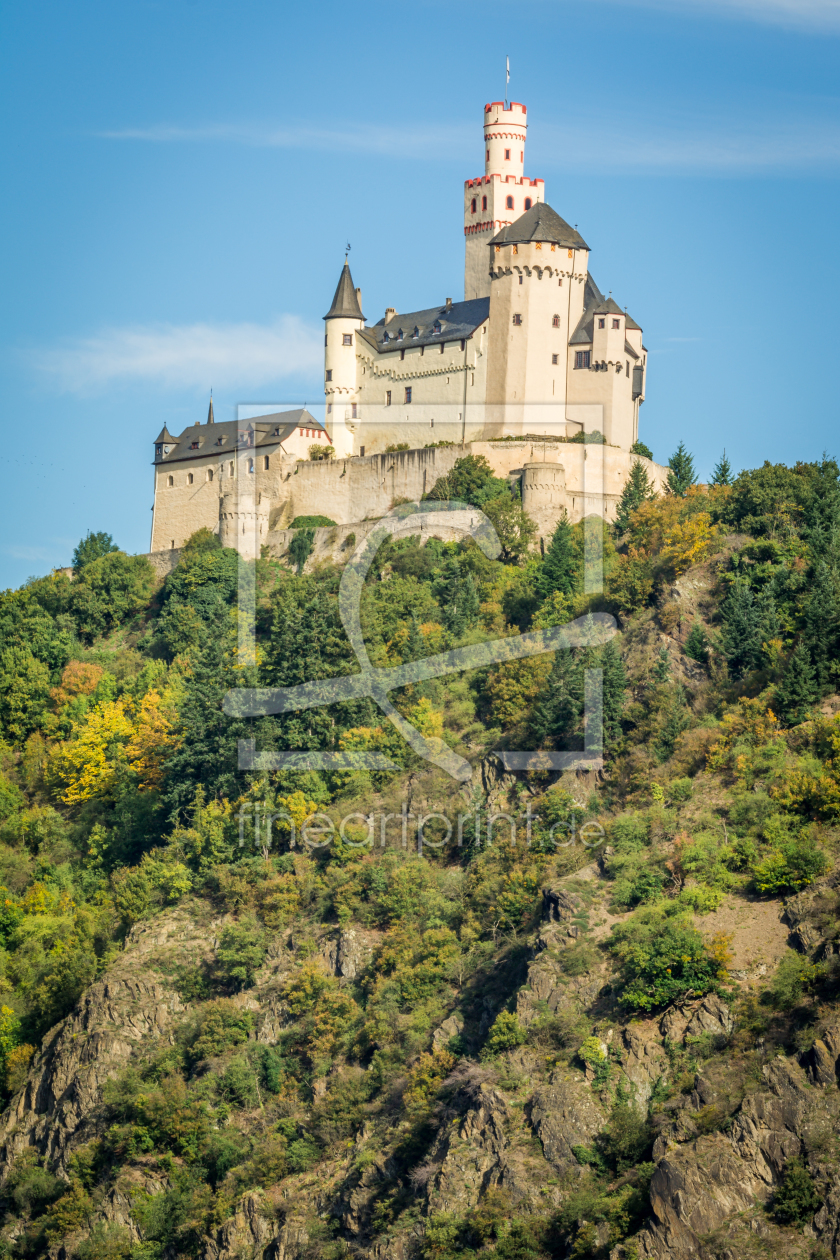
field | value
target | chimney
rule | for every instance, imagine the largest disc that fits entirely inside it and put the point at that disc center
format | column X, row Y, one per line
column 449, row 304
column 390, row 313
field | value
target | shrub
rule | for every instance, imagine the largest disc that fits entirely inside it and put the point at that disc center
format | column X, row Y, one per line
column 221, row 1025
column 796, row 1199
column 300, row 548
column 795, row 864
column 506, row 1034
column 311, row 522
column 241, row 952
column 664, row 960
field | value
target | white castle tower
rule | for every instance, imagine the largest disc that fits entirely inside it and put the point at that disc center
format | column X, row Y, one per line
column 501, row 195
column 343, row 320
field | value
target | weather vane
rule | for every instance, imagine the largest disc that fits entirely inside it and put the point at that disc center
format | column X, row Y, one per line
column 347, row 247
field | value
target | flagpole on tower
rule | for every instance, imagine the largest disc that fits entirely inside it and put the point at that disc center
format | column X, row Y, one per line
column 507, row 79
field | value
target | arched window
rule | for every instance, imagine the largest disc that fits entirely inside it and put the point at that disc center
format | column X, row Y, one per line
column 527, row 203
column 189, row 479
column 266, row 464
column 555, row 323
column 473, row 205
column 170, row 481
column 509, row 203
column 231, row 468
column 209, row 474
column 484, row 203
column 250, row 465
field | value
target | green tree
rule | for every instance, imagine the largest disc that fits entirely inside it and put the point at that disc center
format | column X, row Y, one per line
column 109, row 590
column 300, row 547
column 796, row 1199
column 798, row 689
column 682, row 474
column 514, row 527
column 614, row 692
column 722, row 474
column 92, row 547
column 560, row 567
column 639, row 448
column 637, row 488
column 24, row 691
column 821, row 625
column 676, row 720
column 697, row 644
column 471, row 480
column 662, row 666
column 741, row 637
column 241, row 952
column 558, row 710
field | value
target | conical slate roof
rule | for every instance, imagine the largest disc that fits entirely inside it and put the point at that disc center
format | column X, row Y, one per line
column 540, row 223
column 210, row 419
column 164, row 435
column 345, row 304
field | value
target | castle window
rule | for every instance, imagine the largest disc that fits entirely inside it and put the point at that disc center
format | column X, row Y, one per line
column 555, row 322
column 528, row 205
column 521, row 278
column 416, row 332
column 385, row 337
column 463, row 344
column 521, row 155
column 400, row 334
column 329, row 408
column 173, row 544
column 170, row 481
column 555, row 358
column 509, row 202
column 362, row 451
column 402, row 355
column 431, row 424
column 231, row 468
column 325, row 338
column 517, row 319
column 209, row 474
column 582, row 358
column 266, row 463
column 602, row 323
column 158, row 450
column 437, row 326
column 329, row 374
column 408, row 393
column 347, row 339
column 388, row 398
column 193, row 446
column 473, row 205
column 189, row 479
column 507, row 155
column 250, row 465
column 488, row 155
column 616, row 323
column 354, row 411
column 484, row 203
column 443, row 347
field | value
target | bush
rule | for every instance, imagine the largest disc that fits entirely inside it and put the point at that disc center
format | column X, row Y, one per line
column 796, row 1200
column 795, row 864
column 221, row 1025
column 311, row 522
column 506, row 1034
column 241, row 952
column 664, row 961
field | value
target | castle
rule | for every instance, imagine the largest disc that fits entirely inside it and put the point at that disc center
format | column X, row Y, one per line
column 530, row 364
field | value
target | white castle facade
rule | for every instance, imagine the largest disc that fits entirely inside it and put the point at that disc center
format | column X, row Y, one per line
column 531, row 362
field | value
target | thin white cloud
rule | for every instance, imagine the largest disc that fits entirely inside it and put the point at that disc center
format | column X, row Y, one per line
column 193, row 355
column 807, row 15
column 786, row 136
column 432, row 142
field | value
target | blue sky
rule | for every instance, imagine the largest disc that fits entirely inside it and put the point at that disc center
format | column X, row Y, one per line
column 180, row 179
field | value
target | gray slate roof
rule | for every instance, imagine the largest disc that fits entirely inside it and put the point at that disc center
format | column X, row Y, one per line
column 540, row 223
column 230, row 435
column 345, row 304
column 429, row 327
column 594, row 303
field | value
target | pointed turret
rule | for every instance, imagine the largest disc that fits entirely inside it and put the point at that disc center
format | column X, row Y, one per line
column 345, row 304
column 210, row 419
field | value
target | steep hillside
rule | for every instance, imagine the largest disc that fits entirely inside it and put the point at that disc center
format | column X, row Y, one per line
column 270, row 1014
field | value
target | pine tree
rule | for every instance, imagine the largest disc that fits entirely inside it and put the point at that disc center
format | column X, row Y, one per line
column 741, row 638
column 676, row 721
column 722, row 475
column 414, row 647
column 662, row 668
column 558, row 571
column 615, row 687
column 697, row 644
column 558, row 711
column 636, row 489
column 682, row 474
column 470, row 602
column 821, row 627
column 798, row 689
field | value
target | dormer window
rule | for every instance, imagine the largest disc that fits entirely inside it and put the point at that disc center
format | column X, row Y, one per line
column 399, row 334
column 385, row 337
column 193, row 446
column 416, row 332
column 438, row 326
